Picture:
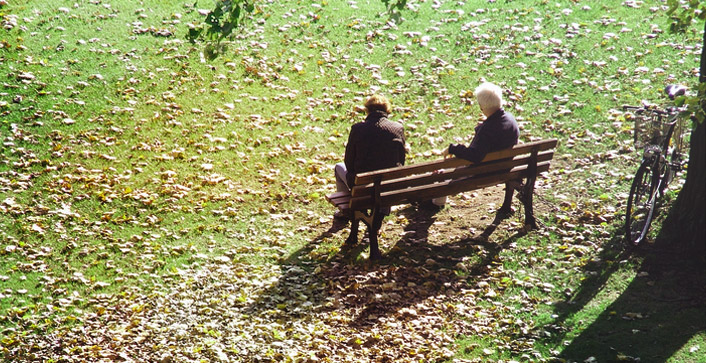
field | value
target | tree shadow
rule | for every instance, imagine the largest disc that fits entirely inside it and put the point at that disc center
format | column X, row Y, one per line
column 660, row 310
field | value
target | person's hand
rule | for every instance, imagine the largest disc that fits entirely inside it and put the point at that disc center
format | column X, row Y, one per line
column 446, row 153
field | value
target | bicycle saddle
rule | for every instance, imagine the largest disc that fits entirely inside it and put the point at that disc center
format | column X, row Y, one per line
column 674, row 90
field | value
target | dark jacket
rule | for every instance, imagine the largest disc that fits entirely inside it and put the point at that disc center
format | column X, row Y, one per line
column 376, row 143
column 497, row 132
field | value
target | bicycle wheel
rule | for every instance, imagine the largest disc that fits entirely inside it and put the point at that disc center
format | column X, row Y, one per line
column 641, row 201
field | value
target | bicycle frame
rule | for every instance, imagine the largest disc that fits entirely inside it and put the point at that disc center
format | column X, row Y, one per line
column 655, row 171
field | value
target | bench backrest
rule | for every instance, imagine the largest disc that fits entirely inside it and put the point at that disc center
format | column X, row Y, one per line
column 438, row 178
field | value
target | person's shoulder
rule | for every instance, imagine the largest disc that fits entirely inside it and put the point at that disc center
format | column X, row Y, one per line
column 356, row 130
column 394, row 123
column 508, row 115
column 395, row 127
column 398, row 124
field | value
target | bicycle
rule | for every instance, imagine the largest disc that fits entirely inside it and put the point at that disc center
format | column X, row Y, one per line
column 660, row 133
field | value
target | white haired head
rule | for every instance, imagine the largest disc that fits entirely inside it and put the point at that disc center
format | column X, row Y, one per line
column 490, row 98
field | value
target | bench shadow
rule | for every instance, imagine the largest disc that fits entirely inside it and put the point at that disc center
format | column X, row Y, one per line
column 658, row 312
column 411, row 271
column 297, row 272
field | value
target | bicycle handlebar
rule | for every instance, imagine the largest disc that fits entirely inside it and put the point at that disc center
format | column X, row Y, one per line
column 640, row 109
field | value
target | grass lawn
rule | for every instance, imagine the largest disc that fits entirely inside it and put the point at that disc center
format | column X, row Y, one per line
column 159, row 206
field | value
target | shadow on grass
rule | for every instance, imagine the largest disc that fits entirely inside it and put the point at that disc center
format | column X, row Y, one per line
column 660, row 310
column 411, row 271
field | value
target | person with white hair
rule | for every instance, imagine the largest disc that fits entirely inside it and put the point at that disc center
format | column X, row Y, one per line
column 498, row 131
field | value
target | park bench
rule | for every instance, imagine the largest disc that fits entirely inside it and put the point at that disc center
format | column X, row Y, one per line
column 374, row 192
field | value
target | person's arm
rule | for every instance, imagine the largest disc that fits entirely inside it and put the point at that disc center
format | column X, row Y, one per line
column 349, row 157
column 402, row 153
column 476, row 151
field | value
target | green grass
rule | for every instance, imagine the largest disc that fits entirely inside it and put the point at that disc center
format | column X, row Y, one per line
column 125, row 156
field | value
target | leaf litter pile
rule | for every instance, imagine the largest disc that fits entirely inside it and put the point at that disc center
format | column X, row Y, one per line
column 221, row 310
column 164, row 181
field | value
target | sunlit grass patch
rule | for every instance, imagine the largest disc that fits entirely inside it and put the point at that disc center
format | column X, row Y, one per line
column 140, row 180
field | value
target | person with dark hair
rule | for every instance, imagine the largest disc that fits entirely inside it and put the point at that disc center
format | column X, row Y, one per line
column 373, row 144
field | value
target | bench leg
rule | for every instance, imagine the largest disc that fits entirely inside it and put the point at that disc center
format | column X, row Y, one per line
column 353, row 236
column 374, row 228
column 375, row 253
column 510, row 188
column 373, row 222
column 530, row 222
column 506, row 208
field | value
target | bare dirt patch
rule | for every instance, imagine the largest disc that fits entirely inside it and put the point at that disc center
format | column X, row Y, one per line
column 466, row 216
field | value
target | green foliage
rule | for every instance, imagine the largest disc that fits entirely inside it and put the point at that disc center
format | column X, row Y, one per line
column 394, row 8
column 684, row 15
column 220, row 24
column 225, row 18
column 695, row 105
column 228, row 15
column 394, row 4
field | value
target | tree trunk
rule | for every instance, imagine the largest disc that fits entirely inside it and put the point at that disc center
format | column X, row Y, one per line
column 687, row 218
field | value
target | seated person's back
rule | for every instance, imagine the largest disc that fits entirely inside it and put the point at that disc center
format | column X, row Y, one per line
column 376, row 143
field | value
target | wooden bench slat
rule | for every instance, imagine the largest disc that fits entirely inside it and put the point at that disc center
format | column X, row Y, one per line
column 338, row 195
column 455, row 187
column 461, row 171
column 402, row 171
column 376, row 190
column 448, row 187
column 340, row 200
column 341, row 204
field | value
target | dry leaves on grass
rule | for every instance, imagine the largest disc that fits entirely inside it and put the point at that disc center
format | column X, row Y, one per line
column 219, row 310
